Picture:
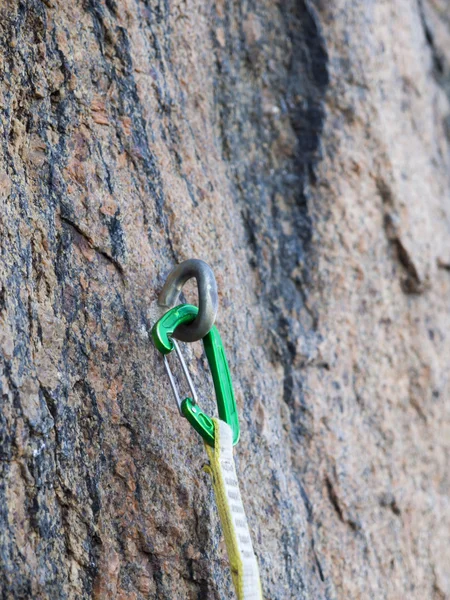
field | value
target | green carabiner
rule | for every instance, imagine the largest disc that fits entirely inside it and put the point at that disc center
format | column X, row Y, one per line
column 162, row 333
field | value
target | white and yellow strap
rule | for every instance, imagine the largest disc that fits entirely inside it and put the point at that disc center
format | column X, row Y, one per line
column 243, row 563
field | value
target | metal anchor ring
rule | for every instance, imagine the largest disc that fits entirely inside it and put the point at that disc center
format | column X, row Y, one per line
column 207, row 297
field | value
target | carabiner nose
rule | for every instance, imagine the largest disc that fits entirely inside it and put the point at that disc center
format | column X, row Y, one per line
column 207, row 297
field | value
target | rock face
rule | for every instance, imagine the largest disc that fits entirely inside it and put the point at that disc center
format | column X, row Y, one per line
column 302, row 149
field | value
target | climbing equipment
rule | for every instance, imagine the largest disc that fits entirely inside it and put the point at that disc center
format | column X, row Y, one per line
column 207, row 297
column 219, row 435
column 243, row 563
column 212, row 343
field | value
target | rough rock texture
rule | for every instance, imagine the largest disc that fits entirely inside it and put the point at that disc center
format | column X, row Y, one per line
column 302, row 149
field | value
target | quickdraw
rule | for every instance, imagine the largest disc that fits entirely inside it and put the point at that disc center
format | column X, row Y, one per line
column 189, row 323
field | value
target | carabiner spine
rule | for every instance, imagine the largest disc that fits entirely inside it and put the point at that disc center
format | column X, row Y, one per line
column 223, row 386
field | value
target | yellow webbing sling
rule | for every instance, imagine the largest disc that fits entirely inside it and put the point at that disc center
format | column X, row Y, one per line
column 243, row 563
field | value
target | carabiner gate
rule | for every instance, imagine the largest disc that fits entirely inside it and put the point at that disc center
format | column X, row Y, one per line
column 162, row 334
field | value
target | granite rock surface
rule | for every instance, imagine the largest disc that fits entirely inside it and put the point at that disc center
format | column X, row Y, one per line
column 301, row 148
